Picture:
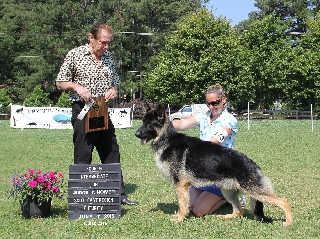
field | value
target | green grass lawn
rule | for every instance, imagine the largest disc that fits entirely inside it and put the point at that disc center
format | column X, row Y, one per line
column 287, row 151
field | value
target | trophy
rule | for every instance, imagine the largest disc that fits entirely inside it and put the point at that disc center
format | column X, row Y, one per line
column 97, row 116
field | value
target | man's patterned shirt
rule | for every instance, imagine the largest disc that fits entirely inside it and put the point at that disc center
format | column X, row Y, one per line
column 80, row 67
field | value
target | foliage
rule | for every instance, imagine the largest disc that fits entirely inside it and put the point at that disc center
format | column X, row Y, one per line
column 260, row 65
column 64, row 101
column 4, row 99
column 284, row 67
column 138, row 106
column 36, row 35
column 301, row 86
column 36, row 184
column 265, row 49
column 169, row 50
column 294, row 13
column 197, row 55
column 37, row 98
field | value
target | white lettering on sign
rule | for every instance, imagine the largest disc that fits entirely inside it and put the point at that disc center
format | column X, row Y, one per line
column 109, row 216
column 92, row 208
column 94, row 176
column 80, row 192
column 94, row 168
column 77, row 200
column 85, row 216
column 94, row 223
column 95, row 200
column 103, row 191
column 90, row 223
column 94, row 185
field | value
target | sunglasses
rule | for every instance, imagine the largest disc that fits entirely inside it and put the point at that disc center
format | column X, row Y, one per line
column 213, row 103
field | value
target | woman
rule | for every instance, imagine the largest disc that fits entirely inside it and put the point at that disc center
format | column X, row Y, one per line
column 220, row 127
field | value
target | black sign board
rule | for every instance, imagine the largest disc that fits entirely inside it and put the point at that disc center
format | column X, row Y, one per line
column 94, row 191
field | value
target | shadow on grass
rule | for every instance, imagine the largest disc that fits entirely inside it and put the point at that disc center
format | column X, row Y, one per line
column 130, row 188
column 166, row 208
column 227, row 209
column 57, row 212
column 172, row 208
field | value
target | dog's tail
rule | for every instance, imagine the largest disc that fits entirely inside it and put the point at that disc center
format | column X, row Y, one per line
column 257, row 210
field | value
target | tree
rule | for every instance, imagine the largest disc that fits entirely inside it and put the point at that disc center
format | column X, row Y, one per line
column 303, row 78
column 64, row 101
column 38, row 98
column 140, row 31
column 256, row 65
column 200, row 53
column 283, row 67
column 49, row 29
column 266, row 47
column 5, row 100
column 37, row 29
column 294, row 12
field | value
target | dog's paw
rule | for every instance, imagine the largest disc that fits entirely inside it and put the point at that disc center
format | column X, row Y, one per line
column 286, row 224
column 228, row 216
column 224, row 216
column 176, row 218
column 263, row 219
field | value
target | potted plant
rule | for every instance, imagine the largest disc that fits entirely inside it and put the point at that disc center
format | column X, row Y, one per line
column 35, row 190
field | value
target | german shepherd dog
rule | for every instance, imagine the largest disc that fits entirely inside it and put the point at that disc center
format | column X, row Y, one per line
column 186, row 161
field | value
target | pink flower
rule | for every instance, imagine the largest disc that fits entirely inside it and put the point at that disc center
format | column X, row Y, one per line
column 40, row 179
column 33, row 184
column 15, row 181
column 52, row 176
column 31, row 171
column 36, row 182
column 48, row 186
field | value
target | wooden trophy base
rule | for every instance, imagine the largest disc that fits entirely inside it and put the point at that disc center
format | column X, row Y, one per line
column 97, row 116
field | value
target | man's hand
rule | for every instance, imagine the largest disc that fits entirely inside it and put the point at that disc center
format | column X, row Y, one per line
column 84, row 93
column 111, row 94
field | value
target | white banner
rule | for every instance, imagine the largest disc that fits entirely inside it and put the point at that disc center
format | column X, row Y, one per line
column 120, row 117
column 59, row 118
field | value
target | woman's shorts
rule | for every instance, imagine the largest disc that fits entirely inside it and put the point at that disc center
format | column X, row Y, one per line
column 211, row 189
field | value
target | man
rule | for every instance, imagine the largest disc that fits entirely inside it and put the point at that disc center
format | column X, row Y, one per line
column 88, row 71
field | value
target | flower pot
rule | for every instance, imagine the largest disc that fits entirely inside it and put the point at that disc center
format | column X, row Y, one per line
column 32, row 208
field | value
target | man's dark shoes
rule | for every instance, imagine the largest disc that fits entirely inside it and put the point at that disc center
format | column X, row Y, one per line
column 126, row 201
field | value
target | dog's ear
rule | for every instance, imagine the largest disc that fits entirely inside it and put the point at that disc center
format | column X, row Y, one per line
column 161, row 111
column 147, row 106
